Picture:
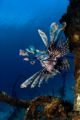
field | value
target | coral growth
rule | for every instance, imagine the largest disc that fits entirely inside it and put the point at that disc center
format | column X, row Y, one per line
column 43, row 107
column 72, row 31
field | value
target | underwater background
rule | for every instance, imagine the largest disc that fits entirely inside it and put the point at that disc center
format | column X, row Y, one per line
column 19, row 22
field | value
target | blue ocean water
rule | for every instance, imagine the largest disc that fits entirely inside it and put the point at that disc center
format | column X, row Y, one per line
column 19, row 21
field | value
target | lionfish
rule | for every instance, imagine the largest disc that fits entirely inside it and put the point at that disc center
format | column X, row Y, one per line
column 52, row 60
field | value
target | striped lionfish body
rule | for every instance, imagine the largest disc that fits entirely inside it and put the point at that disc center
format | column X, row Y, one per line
column 52, row 59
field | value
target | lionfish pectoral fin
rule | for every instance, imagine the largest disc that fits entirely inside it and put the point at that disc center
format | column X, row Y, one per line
column 35, row 82
column 43, row 37
column 29, row 80
column 53, row 29
column 41, row 80
column 47, row 78
column 50, row 75
column 64, row 25
column 55, row 72
column 66, row 63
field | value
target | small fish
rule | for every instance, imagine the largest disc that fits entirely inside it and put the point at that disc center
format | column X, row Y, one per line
column 23, row 53
column 32, row 62
column 26, row 59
